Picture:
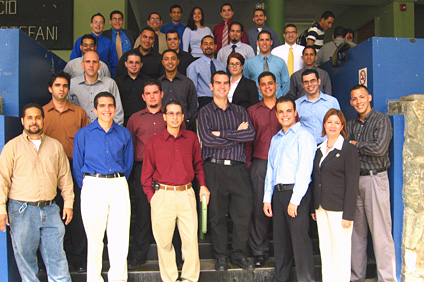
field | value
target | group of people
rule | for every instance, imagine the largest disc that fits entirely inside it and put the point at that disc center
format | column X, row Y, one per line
column 274, row 145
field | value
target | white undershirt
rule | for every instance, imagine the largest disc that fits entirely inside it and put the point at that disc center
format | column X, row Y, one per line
column 323, row 147
column 232, row 89
column 37, row 143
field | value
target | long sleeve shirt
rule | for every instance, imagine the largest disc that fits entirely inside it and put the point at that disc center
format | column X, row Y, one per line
column 130, row 91
column 98, row 151
column 290, row 161
column 193, row 38
column 74, row 68
column 31, row 175
column 283, row 52
column 172, row 161
column 230, row 143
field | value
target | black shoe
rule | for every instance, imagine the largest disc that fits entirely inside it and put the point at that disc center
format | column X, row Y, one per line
column 221, row 264
column 135, row 263
column 80, row 266
column 244, row 263
column 260, row 260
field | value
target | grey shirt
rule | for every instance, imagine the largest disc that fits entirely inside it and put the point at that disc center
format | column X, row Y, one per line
column 73, row 67
column 296, row 88
column 82, row 94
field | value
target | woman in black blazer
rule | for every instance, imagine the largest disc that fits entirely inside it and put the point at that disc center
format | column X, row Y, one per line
column 243, row 91
column 335, row 183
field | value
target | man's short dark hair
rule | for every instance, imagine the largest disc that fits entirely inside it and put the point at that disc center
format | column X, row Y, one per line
column 173, row 102
column 266, row 73
column 60, row 74
column 309, row 47
column 265, row 32
column 95, row 15
column 226, row 4
column 173, row 30
column 327, row 14
column 175, row 6
column 239, row 24
column 134, row 53
column 220, row 72
column 284, row 99
column 89, row 36
column 147, row 28
column 359, row 86
column 208, row 36
column 153, row 13
column 308, row 72
column 152, row 81
column 169, row 50
column 103, row 94
column 32, row 105
column 259, row 9
column 289, row 25
column 116, row 12
column 339, row 32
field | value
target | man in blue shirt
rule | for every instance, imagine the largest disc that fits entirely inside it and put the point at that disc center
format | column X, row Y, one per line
column 175, row 12
column 265, row 61
column 314, row 105
column 103, row 158
column 200, row 71
column 290, row 162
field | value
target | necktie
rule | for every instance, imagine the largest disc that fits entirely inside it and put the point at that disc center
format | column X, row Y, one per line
column 266, row 67
column 257, row 47
column 225, row 35
column 234, row 49
column 213, row 69
column 118, row 45
column 290, row 61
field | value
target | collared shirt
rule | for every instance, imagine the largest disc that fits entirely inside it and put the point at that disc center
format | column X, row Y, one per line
column 185, row 59
column 283, row 52
column 73, row 67
column 200, row 73
column 130, row 91
column 373, row 139
column 172, row 161
column 180, row 89
column 296, row 89
column 97, row 151
column 217, row 33
column 311, row 114
column 266, row 125
column 316, row 33
column 241, row 48
column 252, row 37
column 327, row 50
column 62, row 126
column 255, row 66
column 82, row 94
column 193, row 38
column 229, row 145
column 323, row 147
column 125, row 41
column 179, row 27
column 31, row 175
column 105, row 49
column 290, row 161
column 152, row 64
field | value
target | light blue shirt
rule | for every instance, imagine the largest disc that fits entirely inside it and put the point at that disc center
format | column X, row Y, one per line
column 255, row 66
column 312, row 114
column 199, row 72
column 290, row 161
column 244, row 49
column 126, row 44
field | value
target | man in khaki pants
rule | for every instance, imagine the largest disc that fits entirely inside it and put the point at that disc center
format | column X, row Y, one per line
column 171, row 160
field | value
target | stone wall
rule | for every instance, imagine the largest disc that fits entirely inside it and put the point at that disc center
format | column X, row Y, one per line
column 412, row 107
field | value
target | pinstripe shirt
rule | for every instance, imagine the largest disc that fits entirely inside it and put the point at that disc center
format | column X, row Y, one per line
column 373, row 137
column 230, row 144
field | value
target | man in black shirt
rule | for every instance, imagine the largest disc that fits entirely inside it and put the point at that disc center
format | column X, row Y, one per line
column 173, row 41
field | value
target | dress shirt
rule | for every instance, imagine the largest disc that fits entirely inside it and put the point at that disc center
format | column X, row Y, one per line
column 31, row 175
column 180, row 89
column 311, row 114
column 130, row 91
column 62, row 126
column 233, row 88
column 252, row 37
column 242, row 48
column 97, row 151
column 283, row 52
column 73, row 68
column 199, row 72
column 185, row 59
column 373, row 139
column 296, row 89
column 82, row 94
column 172, row 161
column 316, row 33
column 193, row 38
column 105, row 49
column 254, row 67
column 152, row 64
column 229, row 145
column 126, row 43
column 179, row 27
column 327, row 50
column 217, row 33
column 266, row 125
column 290, row 161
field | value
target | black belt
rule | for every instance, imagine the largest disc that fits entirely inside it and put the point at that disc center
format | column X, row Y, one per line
column 283, row 187
column 364, row 172
column 224, row 162
column 113, row 175
column 41, row 204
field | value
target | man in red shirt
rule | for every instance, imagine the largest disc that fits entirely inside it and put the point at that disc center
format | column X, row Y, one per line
column 171, row 160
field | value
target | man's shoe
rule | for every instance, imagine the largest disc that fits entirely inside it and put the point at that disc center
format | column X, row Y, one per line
column 260, row 260
column 135, row 263
column 244, row 263
column 221, row 264
column 80, row 266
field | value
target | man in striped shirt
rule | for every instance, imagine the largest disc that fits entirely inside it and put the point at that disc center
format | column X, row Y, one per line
column 316, row 32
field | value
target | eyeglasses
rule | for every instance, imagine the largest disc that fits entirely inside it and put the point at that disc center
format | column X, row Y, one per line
column 234, row 65
column 172, row 114
column 310, row 82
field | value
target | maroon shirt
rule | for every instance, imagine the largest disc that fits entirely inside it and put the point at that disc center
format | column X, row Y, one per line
column 172, row 161
column 266, row 125
column 217, row 33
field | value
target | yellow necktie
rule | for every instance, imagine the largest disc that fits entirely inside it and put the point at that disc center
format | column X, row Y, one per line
column 118, row 45
column 290, row 61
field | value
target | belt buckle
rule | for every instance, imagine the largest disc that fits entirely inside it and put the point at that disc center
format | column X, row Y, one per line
column 227, row 162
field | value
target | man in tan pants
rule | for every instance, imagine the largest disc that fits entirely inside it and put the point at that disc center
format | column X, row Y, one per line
column 171, row 160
